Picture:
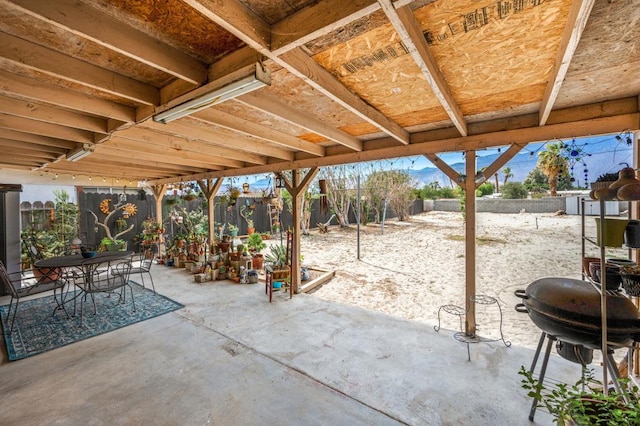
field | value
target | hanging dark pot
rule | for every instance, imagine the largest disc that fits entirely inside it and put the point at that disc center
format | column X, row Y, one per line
column 632, row 234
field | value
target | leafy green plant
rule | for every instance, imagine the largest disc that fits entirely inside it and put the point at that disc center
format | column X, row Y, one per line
column 584, row 402
column 255, row 243
column 277, row 255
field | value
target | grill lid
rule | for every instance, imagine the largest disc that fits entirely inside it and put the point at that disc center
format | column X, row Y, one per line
column 579, row 302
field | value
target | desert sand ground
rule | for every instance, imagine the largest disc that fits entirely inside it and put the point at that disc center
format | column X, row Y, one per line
column 417, row 266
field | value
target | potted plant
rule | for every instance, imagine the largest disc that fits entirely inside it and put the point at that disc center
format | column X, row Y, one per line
column 233, row 230
column 277, row 256
column 256, row 245
column 247, row 214
column 585, row 403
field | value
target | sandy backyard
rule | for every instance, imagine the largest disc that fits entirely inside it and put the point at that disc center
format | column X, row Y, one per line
column 418, row 266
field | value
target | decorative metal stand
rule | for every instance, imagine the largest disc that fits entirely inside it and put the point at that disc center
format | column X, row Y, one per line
column 462, row 336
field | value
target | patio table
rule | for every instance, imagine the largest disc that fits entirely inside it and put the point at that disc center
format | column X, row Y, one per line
column 56, row 265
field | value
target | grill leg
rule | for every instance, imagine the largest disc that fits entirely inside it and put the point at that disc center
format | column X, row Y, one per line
column 535, row 357
column 543, row 370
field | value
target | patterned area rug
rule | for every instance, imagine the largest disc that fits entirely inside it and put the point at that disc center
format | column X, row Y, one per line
column 36, row 330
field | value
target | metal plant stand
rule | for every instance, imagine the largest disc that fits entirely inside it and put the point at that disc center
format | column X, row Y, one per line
column 463, row 336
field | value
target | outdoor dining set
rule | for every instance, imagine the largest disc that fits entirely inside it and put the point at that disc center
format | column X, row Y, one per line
column 75, row 279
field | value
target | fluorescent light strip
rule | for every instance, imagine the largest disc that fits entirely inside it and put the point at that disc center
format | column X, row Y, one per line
column 232, row 90
column 80, row 153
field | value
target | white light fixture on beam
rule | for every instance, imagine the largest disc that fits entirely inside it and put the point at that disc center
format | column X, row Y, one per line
column 79, row 153
column 259, row 77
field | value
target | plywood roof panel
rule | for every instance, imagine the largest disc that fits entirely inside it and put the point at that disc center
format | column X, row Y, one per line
column 77, row 47
column 608, row 53
column 176, row 24
column 362, row 81
column 486, row 49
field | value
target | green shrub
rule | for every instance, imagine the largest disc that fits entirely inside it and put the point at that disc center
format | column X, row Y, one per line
column 486, row 188
column 514, row 191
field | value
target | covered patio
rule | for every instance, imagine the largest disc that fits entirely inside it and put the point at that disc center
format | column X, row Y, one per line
column 230, row 357
column 147, row 93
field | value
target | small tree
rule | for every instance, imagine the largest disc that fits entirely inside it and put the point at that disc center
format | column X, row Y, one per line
column 341, row 182
column 514, row 191
column 507, row 174
column 393, row 187
column 553, row 164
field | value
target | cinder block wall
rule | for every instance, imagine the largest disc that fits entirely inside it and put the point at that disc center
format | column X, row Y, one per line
column 543, row 205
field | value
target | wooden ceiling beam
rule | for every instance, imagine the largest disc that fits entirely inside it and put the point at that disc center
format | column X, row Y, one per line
column 28, row 167
column 39, row 155
column 576, row 21
column 29, row 88
column 97, row 168
column 25, row 146
column 248, row 128
column 47, row 114
column 88, row 22
column 316, row 20
column 166, row 153
column 185, row 126
column 236, row 18
column 304, row 67
column 22, row 53
column 145, row 161
column 319, row 19
column 173, row 143
column 124, row 148
column 36, row 139
column 44, row 129
column 408, row 29
column 22, row 161
column 268, row 104
column 428, row 143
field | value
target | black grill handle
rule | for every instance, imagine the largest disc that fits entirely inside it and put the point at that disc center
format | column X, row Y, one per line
column 520, row 307
column 521, row 293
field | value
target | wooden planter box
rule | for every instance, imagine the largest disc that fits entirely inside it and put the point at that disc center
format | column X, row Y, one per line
column 281, row 274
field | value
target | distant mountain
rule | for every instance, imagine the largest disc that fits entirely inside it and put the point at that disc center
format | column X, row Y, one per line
column 606, row 160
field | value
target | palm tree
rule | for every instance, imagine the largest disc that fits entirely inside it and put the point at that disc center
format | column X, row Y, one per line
column 507, row 174
column 497, row 182
column 552, row 163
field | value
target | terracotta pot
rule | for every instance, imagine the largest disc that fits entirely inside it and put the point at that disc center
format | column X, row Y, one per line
column 585, row 265
column 258, row 261
column 45, row 275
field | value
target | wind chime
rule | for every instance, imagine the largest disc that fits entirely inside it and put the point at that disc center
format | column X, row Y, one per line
column 575, row 154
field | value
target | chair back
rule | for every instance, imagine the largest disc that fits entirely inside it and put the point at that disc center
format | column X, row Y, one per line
column 6, row 281
column 143, row 262
column 107, row 276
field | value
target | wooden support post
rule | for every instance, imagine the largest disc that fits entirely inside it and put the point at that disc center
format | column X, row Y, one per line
column 158, row 193
column 210, row 188
column 470, row 246
column 297, row 187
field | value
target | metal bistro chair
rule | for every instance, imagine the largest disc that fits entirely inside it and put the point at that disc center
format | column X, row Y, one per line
column 142, row 265
column 18, row 286
column 105, row 277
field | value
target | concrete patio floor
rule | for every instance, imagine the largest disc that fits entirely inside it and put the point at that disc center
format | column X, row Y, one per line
column 232, row 358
